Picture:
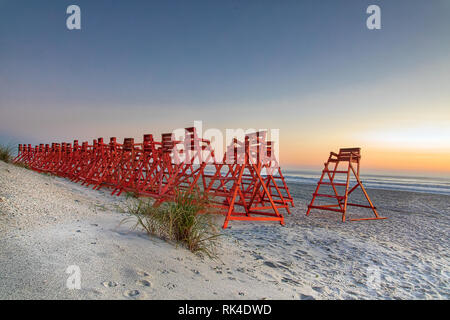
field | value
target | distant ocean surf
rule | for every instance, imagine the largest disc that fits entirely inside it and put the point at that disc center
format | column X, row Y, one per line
column 402, row 183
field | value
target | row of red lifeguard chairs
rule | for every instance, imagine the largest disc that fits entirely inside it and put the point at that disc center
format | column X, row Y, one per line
column 246, row 184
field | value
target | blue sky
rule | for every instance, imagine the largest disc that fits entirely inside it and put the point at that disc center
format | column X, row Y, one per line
column 151, row 66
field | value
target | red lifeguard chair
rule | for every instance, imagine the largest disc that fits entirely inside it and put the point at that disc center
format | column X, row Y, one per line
column 350, row 157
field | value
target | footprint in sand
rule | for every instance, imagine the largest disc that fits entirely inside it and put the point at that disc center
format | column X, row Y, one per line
column 170, row 286
column 142, row 274
column 306, row 297
column 110, row 284
column 144, row 283
column 131, row 293
column 270, row 264
column 318, row 289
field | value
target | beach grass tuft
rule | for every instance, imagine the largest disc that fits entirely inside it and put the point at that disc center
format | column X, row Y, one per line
column 185, row 221
column 131, row 194
column 6, row 153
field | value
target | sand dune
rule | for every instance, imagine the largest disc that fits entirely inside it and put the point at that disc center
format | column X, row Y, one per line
column 48, row 224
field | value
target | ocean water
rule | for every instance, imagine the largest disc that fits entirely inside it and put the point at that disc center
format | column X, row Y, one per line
column 403, row 183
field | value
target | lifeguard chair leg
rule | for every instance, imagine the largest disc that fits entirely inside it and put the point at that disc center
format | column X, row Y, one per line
column 317, row 188
column 331, row 177
column 278, row 214
column 368, row 200
column 346, row 191
column 233, row 199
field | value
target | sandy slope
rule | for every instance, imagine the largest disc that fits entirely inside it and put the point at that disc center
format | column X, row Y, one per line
column 48, row 223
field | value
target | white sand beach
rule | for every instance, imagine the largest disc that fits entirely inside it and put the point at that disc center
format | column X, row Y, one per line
column 49, row 223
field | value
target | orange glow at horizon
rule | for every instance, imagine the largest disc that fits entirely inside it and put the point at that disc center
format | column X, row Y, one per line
column 413, row 149
column 388, row 160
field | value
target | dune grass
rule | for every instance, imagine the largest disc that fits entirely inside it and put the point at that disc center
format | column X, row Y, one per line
column 185, row 221
column 131, row 194
column 6, row 153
